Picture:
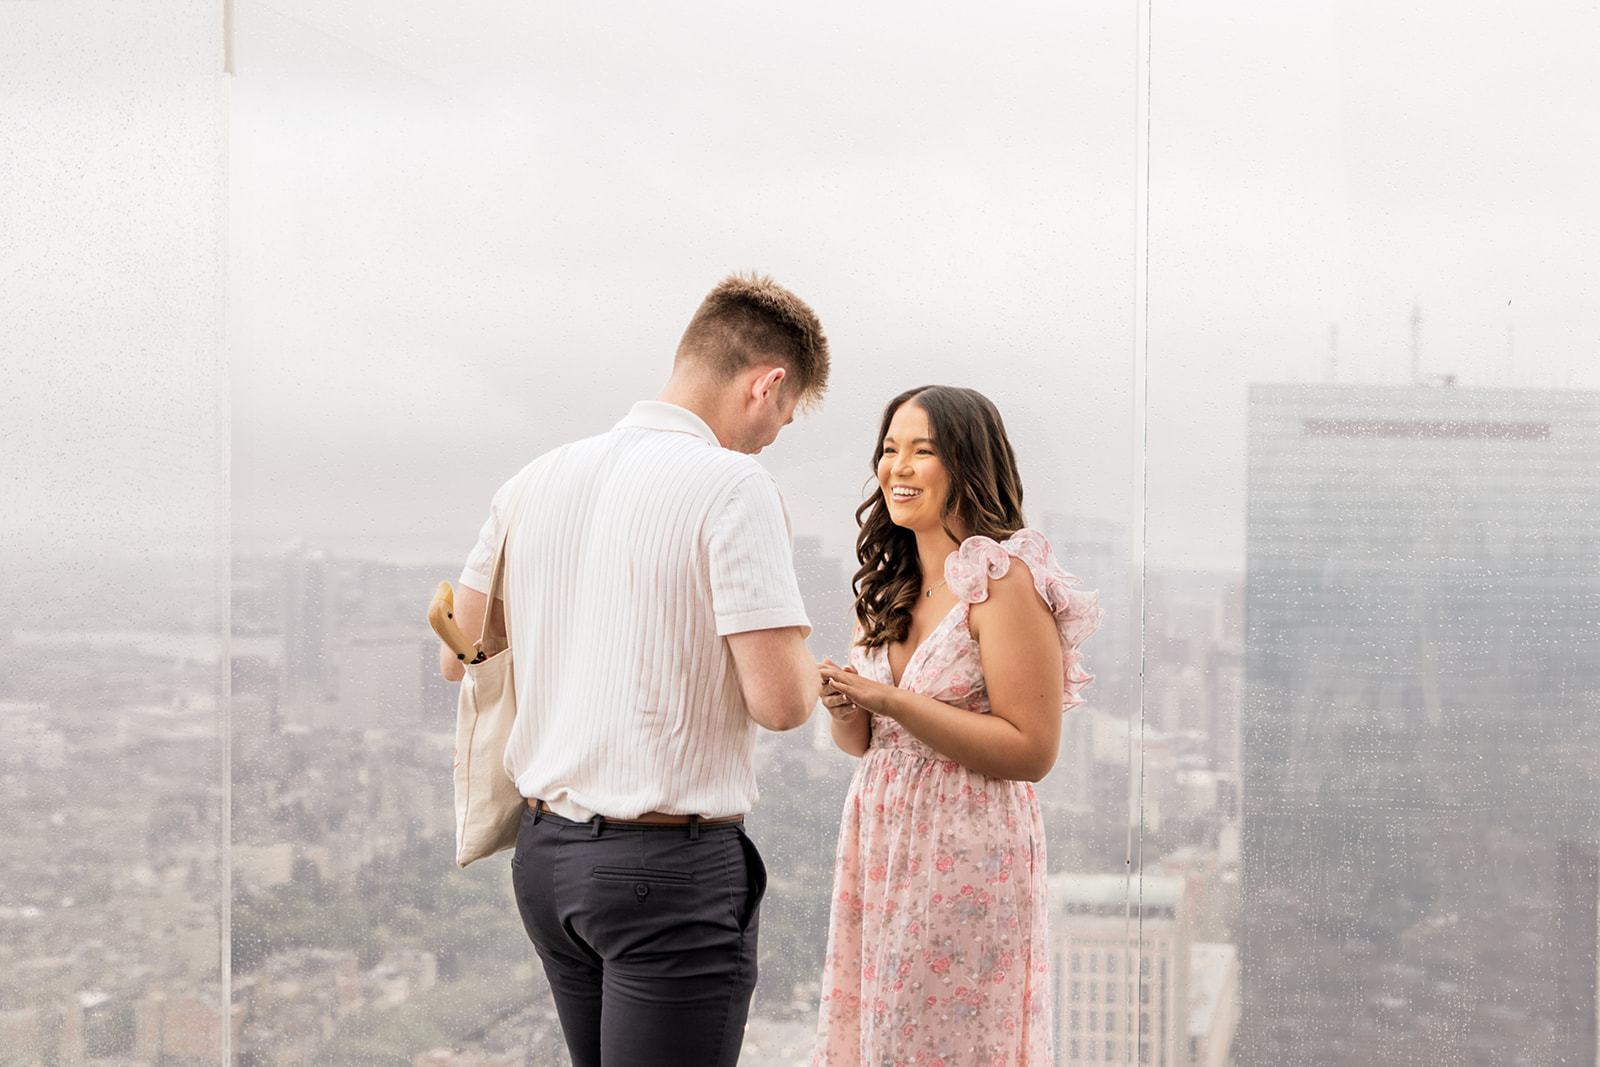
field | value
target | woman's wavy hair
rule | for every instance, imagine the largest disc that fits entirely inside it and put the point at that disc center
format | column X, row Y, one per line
column 985, row 499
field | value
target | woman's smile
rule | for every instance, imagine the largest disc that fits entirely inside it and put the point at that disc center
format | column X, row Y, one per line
column 909, row 470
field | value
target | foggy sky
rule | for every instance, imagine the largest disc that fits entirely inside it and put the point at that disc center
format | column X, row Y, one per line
column 457, row 237
column 508, row 216
column 113, row 387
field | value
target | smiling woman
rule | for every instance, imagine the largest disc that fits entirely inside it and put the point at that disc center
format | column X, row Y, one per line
column 931, row 438
column 939, row 939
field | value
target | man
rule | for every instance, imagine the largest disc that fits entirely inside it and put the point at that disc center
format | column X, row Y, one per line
column 656, row 621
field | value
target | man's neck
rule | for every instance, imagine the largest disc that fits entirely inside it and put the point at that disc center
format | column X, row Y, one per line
column 703, row 402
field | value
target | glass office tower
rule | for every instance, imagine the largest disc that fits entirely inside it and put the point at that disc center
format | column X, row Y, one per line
column 1423, row 685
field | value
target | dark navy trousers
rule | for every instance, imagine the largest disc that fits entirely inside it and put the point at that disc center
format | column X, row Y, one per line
column 647, row 934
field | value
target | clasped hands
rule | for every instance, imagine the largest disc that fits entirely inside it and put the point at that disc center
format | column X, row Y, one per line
column 846, row 694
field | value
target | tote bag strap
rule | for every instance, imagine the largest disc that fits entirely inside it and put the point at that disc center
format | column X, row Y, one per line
column 519, row 497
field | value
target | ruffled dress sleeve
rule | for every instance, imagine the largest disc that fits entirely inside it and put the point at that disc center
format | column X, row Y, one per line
column 1077, row 613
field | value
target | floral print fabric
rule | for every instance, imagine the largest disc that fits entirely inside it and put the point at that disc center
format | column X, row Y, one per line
column 937, row 939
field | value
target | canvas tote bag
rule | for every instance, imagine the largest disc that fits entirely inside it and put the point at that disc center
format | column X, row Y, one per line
column 488, row 806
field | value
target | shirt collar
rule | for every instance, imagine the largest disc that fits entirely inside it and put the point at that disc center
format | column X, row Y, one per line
column 659, row 415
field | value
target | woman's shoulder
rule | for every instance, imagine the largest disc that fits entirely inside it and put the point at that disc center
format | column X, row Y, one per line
column 980, row 561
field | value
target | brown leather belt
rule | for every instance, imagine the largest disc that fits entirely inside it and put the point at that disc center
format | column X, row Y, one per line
column 649, row 818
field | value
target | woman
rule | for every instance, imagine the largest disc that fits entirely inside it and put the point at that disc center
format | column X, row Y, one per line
column 965, row 656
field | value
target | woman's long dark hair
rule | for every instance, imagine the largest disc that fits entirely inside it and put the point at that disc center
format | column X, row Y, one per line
column 985, row 498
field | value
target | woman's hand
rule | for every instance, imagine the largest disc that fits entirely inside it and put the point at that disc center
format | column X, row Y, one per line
column 851, row 726
column 841, row 707
column 1021, row 658
column 844, row 687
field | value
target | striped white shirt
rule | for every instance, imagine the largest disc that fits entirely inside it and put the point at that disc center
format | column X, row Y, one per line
column 638, row 551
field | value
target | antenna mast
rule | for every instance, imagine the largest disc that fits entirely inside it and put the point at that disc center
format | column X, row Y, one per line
column 1416, row 343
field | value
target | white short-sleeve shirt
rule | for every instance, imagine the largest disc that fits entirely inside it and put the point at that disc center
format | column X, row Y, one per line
column 637, row 552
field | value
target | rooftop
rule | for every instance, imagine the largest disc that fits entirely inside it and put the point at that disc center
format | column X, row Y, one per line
column 1114, row 890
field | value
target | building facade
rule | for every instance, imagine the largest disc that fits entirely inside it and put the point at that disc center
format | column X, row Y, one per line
column 1422, row 670
column 1121, row 957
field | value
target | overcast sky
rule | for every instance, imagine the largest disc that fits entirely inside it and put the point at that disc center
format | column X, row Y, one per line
column 113, row 386
column 461, row 234
column 461, row 237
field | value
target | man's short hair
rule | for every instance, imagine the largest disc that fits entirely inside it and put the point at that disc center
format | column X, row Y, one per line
column 749, row 318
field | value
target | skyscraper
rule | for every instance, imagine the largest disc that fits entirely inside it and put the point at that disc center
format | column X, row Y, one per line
column 305, row 627
column 1422, row 694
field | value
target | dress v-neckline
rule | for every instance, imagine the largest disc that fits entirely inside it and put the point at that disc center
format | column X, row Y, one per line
column 915, row 652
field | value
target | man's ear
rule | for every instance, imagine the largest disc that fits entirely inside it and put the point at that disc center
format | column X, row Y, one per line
column 768, row 382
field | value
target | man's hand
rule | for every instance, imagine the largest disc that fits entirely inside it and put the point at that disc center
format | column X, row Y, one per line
column 469, row 604
column 779, row 679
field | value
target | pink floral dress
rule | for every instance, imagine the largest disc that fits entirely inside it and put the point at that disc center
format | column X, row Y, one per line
column 937, row 941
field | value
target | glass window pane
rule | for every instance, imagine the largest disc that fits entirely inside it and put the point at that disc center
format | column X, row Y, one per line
column 1372, row 561
column 113, row 535
column 461, row 239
